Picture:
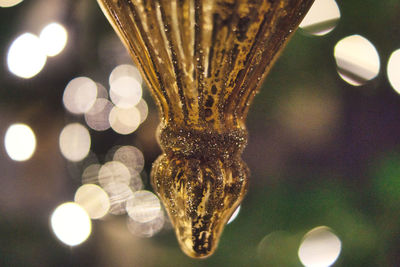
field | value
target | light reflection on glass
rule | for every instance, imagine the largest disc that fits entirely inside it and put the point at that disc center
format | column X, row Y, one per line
column 119, row 193
column 93, row 199
column 320, row 247
column 74, row 142
column 53, row 38
column 71, row 224
column 234, row 215
column 79, row 95
column 97, row 117
column 357, row 60
column 144, row 206
column 393, row 70
column 9, row 3
column 321, row 18
column 20, row 142
column 124, row 121
column 91, row 174
column 26, row 56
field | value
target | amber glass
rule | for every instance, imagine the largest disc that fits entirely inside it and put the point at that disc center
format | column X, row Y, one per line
column 204, row 61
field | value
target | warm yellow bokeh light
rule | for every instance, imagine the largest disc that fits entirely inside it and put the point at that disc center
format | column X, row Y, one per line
column 71, row 223
column 124, row 121
column 393, row 70
column 93, row 199
column 319, row 248
column 321, row 18
column 20, row 142
column 9, row 3
column 357, row 60
column 26, row 56
column 80, row 95
column 53, row 38
column 74, row 142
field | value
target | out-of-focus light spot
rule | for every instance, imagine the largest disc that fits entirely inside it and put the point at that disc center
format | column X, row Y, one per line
column 26, row 56
column 147, row 229
column 97, row 117
column 234, row 215
column 71, row 223
column 80, row 94
column 131, row 157
column 143, row 110
column 74, row 142
column 144, row 206
column 91, row 174
column 53, row 38
column 9, row 3
column 101, row 91
column 114, row 172
column 357, row 60
column 125, row 70
column 393, row 70
column 93, row 199
column 20, row 142
column 124, row 121
column 321, row 18
column 125, row 92
column 319, row 248
column 119, row 194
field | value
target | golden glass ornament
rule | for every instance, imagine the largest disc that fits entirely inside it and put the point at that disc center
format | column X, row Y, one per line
column 204, row 61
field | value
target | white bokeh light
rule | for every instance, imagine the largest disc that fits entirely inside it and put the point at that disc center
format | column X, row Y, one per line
column 53, row 38
column 71, row 224
column 26, row 56
column 125, row 70
column 80, row 95
column 124, row 121
column 74, row 142
column 144, row 206
column 93, row 199
column 125, row 92
column 393, row 70
column 357, row 60
column 321, row 18
column 20, row 142
column 97, row 117
column 319, row 248
column 9, row 3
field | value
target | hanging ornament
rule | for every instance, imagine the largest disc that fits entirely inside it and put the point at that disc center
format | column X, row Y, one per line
column 203, row 60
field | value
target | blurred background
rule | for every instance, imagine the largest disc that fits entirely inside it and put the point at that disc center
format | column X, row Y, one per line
column 77, row 140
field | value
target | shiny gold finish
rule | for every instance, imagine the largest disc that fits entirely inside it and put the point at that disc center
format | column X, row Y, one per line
column 204, row 61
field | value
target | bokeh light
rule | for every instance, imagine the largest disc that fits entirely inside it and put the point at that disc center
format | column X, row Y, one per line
column 357, row 60
column 71, row 224
column 119, row 194
column 53, row 38
column 74, row 142
column 234, row 215
column 90, row 174
column 97, row 117
column 144, row 206
column 319, row 248
column 125, row 92
column 321, row 18
column 114, row 172
column 26, row 56
column 147, row 229
column 80, row 95
column 143, row 110
column 278, row 248
column 93, row 199
column 393, row 70
column 9, row 3
column 124, row 121
column 125, row 70
column 20, row 142
column 131, row 157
